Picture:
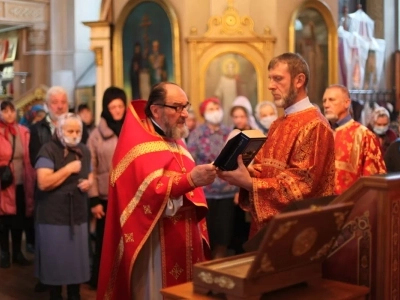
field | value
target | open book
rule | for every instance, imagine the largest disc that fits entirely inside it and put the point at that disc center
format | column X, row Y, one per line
column 246, row 142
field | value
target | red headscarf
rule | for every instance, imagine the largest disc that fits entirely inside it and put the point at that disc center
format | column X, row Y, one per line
column 8, row 128
column 204, row 104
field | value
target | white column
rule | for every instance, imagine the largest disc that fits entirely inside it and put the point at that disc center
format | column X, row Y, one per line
column 101, row 45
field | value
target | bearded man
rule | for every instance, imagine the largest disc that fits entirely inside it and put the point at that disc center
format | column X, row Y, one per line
column 297, row 161
column 155, row 229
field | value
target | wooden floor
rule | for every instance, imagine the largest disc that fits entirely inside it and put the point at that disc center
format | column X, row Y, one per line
column 17, row 283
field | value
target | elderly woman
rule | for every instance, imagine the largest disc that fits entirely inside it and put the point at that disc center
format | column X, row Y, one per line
column 63, row 178
column 266, row 114
column 16, row 199
column 205, row 143
column 379, row 124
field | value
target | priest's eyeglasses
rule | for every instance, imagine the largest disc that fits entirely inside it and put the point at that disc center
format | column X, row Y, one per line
column 178, row 108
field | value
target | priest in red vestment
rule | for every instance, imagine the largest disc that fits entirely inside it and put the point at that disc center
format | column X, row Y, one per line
column 155, row 229
column 357, row 149
column 297, row 160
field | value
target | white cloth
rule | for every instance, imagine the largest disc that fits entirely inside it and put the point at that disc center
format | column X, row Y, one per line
column 146, row 279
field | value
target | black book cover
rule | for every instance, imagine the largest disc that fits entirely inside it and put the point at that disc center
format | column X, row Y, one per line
column 246, row 142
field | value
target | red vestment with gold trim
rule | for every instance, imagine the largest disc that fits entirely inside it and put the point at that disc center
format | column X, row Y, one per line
column 296, row 162
column 357, row 153
column 147, row 171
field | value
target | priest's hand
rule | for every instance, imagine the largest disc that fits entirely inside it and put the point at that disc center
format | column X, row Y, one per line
column 203, row 174
column 239, row 177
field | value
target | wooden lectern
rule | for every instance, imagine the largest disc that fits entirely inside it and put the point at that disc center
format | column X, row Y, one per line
column 367, row 252
column 290, row 253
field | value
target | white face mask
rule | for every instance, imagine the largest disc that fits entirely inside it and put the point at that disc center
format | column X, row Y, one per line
column 267, row 121
column 71, row 142
column 379, row 130
column 214, row 117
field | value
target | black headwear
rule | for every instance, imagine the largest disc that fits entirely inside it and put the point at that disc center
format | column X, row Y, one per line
column 109, row 95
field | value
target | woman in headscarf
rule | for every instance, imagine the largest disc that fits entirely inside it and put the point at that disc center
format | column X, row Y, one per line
column 33, row 115
column 205, row 143
column 102, row 143
column 63, row 177
column 245, row 105
column 266, row 114
column 16, row 200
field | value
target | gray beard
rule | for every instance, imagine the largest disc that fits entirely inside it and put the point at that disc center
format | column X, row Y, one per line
column 173, row 132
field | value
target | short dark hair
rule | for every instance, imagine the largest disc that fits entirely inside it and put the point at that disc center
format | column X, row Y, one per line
column 296, row 65
column 82, row 107
column 158, row 94
column 7, row 104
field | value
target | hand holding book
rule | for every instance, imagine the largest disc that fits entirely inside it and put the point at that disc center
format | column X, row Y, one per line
column 246, row 143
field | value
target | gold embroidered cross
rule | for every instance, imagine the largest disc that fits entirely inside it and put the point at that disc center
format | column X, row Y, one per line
column 177, row 179
column 176, row 271
column 129, row 237
column 160, row 184
column 175, row 218
column 147, row 210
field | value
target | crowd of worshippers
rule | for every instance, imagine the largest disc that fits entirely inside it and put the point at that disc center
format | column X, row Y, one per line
column 62, row 169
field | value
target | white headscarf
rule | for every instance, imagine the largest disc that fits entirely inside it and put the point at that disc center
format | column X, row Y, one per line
column 244, row 102
column 66, row 141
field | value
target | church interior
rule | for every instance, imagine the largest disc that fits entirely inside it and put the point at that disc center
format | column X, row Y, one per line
column 222, row 48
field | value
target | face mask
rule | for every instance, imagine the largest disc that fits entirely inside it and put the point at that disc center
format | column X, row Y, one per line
column 379, row 130
column 267, row 121
column 71, row 142
column 214, row 117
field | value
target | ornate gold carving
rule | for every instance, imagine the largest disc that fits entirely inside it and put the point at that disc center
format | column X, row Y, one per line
column 230, row 23
column 340, row 217
column 147, row 209
column 265, row 265
column 98, row 51
column 357, row 230
column 33, row 96
column 228, row 33
column 129, row 237
column 323, row 251
column 176, row 271
column 282, row 230
column 304, row 241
